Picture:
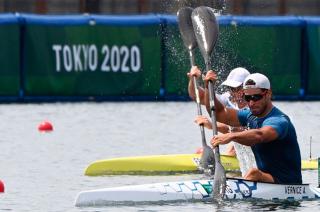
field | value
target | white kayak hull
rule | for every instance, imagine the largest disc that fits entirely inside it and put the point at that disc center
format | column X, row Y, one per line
column 194, row 190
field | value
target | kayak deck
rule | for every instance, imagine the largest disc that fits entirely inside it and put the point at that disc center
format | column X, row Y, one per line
column 164, row 164
column 155, row 164
column 194, row 190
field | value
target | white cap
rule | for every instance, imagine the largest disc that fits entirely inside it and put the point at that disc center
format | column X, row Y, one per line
column 236, row 77
column 256, row 80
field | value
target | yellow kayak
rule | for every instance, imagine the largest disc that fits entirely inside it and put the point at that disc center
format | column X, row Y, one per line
column 164, row 164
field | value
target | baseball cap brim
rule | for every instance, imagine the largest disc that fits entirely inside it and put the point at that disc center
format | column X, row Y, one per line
column 232, row 83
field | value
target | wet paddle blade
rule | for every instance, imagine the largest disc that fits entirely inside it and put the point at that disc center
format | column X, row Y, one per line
column 186, row 28
column 207, row 161
column 206, row 30
column 219, row 180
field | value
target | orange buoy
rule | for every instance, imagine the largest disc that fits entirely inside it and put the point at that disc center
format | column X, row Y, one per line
column 45, row 126
column 1, row 187
column 199, row 150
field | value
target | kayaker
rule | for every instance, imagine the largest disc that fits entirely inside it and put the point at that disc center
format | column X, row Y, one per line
column 270, row 133
column 232, row 98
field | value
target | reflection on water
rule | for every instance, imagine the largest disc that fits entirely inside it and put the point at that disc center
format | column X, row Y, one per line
column 257, row 205
column 272, row 206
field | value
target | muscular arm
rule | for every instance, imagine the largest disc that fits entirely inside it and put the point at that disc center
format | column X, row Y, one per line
column 192, row 93
column 224, row 115
column 223, row 128
column 195, row 73
column 249, row 137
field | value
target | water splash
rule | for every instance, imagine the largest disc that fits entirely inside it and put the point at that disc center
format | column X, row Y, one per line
column 245, row 157
column 222, row 61
column 220, row 6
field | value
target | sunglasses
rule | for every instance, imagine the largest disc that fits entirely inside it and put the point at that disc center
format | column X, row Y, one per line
column 254, row 97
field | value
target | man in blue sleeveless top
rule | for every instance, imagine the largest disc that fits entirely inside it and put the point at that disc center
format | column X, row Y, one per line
column 271, row 134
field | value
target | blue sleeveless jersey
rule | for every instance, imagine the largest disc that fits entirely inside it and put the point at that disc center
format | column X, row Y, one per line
column 281, row 158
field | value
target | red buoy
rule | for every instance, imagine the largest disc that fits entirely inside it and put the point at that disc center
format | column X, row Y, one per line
column 45, row 126
column 1, row 187
column 199, row 150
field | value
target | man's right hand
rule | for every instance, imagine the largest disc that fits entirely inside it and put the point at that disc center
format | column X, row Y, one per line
column 210, row 76
column 194, row 72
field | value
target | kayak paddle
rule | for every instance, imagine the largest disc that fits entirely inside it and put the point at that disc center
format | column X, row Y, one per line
column 206, row 31
column 190, row 42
